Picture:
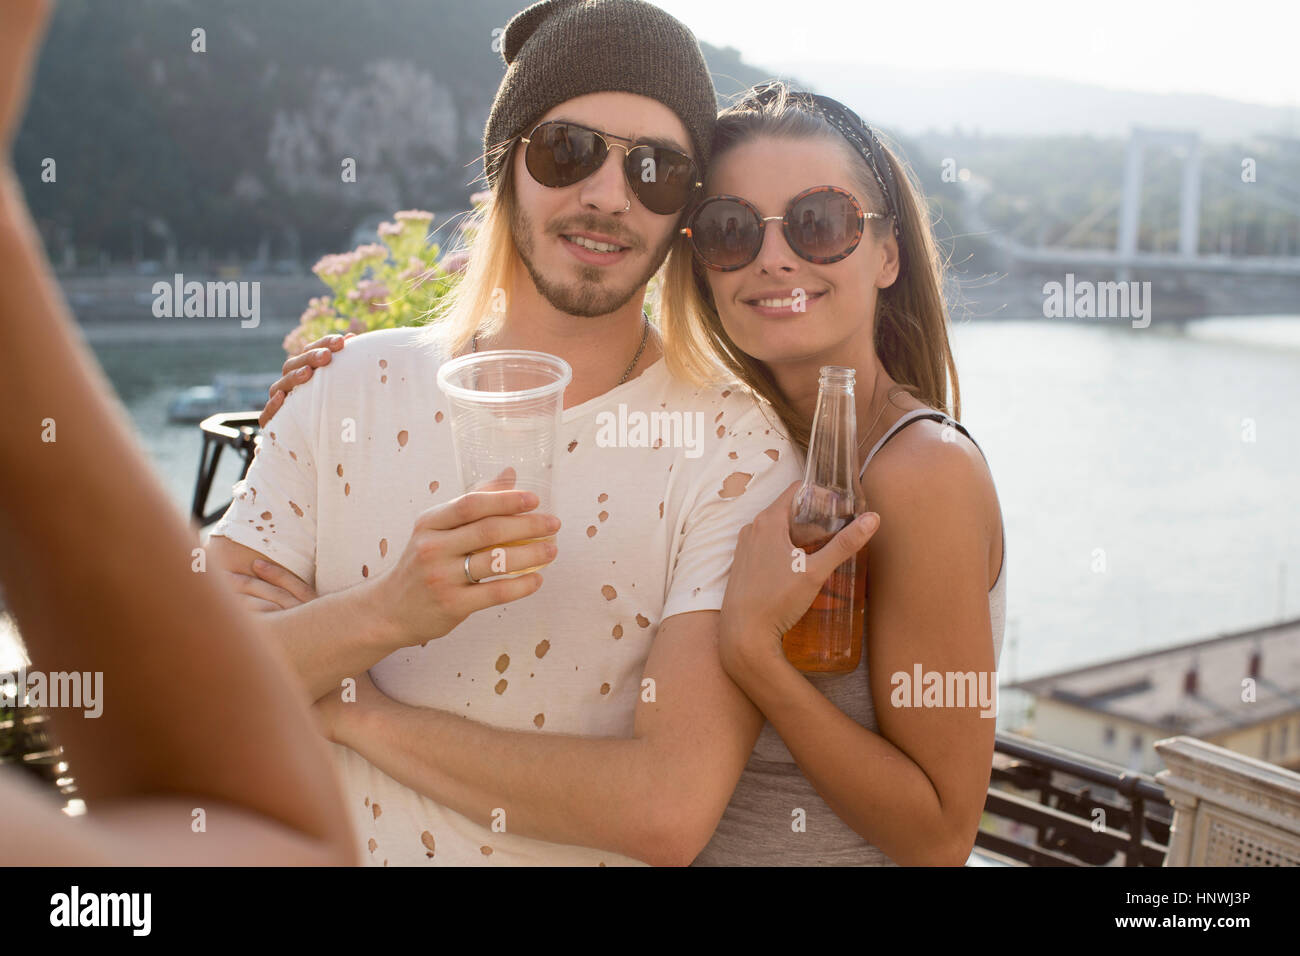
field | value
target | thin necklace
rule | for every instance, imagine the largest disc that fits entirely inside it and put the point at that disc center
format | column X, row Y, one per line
column 645, row 334
column 871, row 427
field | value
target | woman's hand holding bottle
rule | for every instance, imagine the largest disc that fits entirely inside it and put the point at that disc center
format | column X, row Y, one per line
column 771, row 585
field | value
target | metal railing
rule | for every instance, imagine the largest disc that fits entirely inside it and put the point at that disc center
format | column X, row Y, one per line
column 1079, row 811
column 25, row 742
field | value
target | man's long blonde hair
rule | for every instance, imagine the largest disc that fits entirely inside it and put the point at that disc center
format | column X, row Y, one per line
column 476, row 303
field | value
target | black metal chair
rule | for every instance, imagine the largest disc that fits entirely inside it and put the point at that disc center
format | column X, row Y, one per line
column 234, row 430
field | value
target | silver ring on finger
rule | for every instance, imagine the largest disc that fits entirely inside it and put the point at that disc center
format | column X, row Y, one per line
column 469, row 577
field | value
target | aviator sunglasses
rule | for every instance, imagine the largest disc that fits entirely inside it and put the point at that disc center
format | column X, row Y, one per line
column 560, row 154
column 822, row 225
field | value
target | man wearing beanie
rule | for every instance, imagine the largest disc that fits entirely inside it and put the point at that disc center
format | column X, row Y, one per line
column 585, row 720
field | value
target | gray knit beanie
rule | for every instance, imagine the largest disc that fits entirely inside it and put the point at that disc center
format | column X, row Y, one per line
column 556, row 50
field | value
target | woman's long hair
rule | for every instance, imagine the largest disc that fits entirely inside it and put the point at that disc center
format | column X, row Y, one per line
column 911, row 322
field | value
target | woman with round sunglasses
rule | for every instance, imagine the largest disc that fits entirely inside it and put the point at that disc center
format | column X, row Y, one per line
column 809, row 247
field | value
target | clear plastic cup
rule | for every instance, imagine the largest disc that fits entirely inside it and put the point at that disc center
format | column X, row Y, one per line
column 505, row 407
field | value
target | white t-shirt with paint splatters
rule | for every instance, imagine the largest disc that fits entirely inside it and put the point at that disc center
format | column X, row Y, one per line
column 357, row 453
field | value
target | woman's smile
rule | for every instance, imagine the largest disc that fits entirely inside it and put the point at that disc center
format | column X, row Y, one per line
column 779, row 303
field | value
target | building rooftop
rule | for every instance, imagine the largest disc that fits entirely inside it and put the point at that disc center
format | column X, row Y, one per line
column 1194, row 688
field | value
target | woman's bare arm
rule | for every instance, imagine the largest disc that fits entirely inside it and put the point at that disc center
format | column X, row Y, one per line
column 916, row 787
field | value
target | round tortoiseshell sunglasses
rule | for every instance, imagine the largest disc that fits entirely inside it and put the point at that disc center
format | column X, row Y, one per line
column 822, row 225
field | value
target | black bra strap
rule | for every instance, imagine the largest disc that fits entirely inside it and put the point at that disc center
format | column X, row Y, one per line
column 930, row 415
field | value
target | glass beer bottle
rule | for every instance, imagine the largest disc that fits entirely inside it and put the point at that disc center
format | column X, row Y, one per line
column 828, row 638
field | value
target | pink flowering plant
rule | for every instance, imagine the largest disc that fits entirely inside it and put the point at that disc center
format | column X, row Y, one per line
column 382, row 285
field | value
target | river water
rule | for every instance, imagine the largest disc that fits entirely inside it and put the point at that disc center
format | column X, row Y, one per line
column 1148, row 477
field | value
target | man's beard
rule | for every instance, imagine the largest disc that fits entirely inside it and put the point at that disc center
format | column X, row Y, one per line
column 590, row 295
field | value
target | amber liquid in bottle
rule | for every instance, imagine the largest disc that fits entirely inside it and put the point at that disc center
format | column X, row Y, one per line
column 828, row 638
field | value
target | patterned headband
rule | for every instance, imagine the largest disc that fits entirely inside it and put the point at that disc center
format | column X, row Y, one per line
column 860, row 136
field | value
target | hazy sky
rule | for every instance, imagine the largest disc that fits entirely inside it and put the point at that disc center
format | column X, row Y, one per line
column 1239, row 50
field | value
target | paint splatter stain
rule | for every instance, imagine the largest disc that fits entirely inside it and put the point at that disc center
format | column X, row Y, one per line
column 726, row 393
column 347, row 488
column 383, row 363
column 718, row 417
column 372, row 844
column 573, row 444
column 433, row 487
column 773, row 454
column 642, row 621
column 430, row 847
column 365, row 571
column 732, row 455
column 402, row 436
column 260, row 528
column 542, row 648
column 722, row 430
column 296, row 509
column 383, row 547
column 591, row 531
column 501, row 686
column 437, row 417
column 602, row 498
column 266, row 516
column 618, row 631
column 661, row 509
column 374, row 808
column 293, row 456
column 339, row 469
column 608, row 592
column 383, row 380
column 485, row 850
column 502, row 663
column 603, row 515
column 733, row 486
column 538, row 720
column 272, row 436
column 604, row 688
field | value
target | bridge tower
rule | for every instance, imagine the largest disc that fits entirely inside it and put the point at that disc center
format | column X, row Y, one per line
column 1189, row 216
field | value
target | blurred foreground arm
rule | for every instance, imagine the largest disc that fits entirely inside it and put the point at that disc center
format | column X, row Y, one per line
column 197, row 711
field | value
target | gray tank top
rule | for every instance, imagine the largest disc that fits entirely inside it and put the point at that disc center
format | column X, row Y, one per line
column 756, row 828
